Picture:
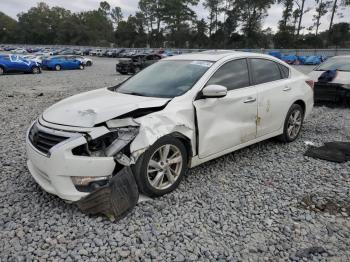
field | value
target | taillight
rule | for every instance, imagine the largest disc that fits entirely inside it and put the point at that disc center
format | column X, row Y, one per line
column 310, row 83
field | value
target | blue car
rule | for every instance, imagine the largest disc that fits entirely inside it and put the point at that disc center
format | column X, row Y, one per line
column 14, row 63
column 61, row 63
column 275, row 54
column 313, row 60
column 290, row 59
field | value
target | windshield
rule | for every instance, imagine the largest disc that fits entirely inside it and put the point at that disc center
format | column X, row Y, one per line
column 336, row 63
column 165, row 79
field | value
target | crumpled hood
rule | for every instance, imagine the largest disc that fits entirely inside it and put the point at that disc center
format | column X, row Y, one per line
column 94, row 107
column 341, row 78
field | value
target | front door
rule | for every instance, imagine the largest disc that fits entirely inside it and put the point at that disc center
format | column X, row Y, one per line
column 224, row 123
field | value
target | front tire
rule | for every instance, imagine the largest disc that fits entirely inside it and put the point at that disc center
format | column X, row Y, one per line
column 292, row 124
column 88, row 63
column 81, row 67
column 161, row 168
column 2, row 71
column 57, row 67
column 36, row 70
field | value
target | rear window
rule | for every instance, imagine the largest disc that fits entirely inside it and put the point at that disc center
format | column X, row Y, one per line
column 284, row 71
column 264, row 71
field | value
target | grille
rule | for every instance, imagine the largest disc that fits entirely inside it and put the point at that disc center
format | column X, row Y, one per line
column 44, row 141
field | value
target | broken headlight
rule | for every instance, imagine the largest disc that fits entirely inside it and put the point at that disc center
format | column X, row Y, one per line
column 107, row 145
column 86, row 180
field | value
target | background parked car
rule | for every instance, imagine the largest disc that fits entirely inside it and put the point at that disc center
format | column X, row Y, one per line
column 62, row 62
column 332, row 80
column 85, row 60
column 85, row 51
column 19, row 51
column 312, row 60
column 96, row 52
column 14, row 63
column 136, row 63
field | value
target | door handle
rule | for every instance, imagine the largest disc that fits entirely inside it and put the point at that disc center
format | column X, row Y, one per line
column 249, row 100
column 287, row 88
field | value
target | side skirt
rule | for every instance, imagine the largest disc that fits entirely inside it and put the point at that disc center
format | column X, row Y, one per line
column 195, row 161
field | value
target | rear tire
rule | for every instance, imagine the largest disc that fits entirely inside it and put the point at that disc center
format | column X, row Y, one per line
column 292, row 124
column 81, row 67
column 57, row 67
column 2, row 71
column 161, row 168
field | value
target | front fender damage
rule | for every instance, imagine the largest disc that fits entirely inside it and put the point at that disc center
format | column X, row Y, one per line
column 153, row 127
column 120, row 195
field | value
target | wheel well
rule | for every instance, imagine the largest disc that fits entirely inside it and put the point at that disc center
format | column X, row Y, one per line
column 301, row 103
column 186, row 142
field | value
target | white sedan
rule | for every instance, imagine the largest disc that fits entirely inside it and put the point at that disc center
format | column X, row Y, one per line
column 84, row 60
column 176, row 114
column 19, row 51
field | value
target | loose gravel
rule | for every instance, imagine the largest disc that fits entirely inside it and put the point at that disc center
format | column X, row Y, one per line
column 244, row 206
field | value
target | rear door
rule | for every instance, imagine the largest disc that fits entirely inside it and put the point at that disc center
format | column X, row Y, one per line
column 271, row 79
column 226, row 122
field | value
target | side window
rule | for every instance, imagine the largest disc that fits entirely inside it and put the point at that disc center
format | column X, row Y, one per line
column 264, row 71
column 232, row 75
column 284, row 70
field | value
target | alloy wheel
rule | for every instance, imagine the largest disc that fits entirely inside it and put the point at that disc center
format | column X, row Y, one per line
column 294, row 123
column 36, row 70
column 164, row 167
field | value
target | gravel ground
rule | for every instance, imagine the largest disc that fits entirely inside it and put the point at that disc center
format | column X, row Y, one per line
column 244, row 206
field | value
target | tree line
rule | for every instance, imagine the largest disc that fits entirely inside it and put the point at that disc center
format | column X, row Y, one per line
column 165, row 23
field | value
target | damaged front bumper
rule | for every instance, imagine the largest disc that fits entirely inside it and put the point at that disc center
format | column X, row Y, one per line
column 331, row 92
column 115, row 200
column 61, row 171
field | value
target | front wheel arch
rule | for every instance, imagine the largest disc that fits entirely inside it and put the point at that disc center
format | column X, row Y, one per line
column 140, row 168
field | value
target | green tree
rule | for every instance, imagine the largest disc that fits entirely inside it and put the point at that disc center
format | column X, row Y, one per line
column 215, row 8
column 116, row 15
column 252, row 12
column 340, row 35
column 287, row 12
column 321, row 10
column 36, row 25
column 299, row 13
column 177, row 15
column 8, row 29
column 104, row 8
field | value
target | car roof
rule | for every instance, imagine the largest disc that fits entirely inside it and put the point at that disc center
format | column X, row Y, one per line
column 214, row 55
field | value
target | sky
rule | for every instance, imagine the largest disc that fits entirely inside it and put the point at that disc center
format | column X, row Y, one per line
column 13, row 7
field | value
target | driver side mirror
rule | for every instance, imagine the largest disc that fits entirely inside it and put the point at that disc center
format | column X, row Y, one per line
column 214, row 91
